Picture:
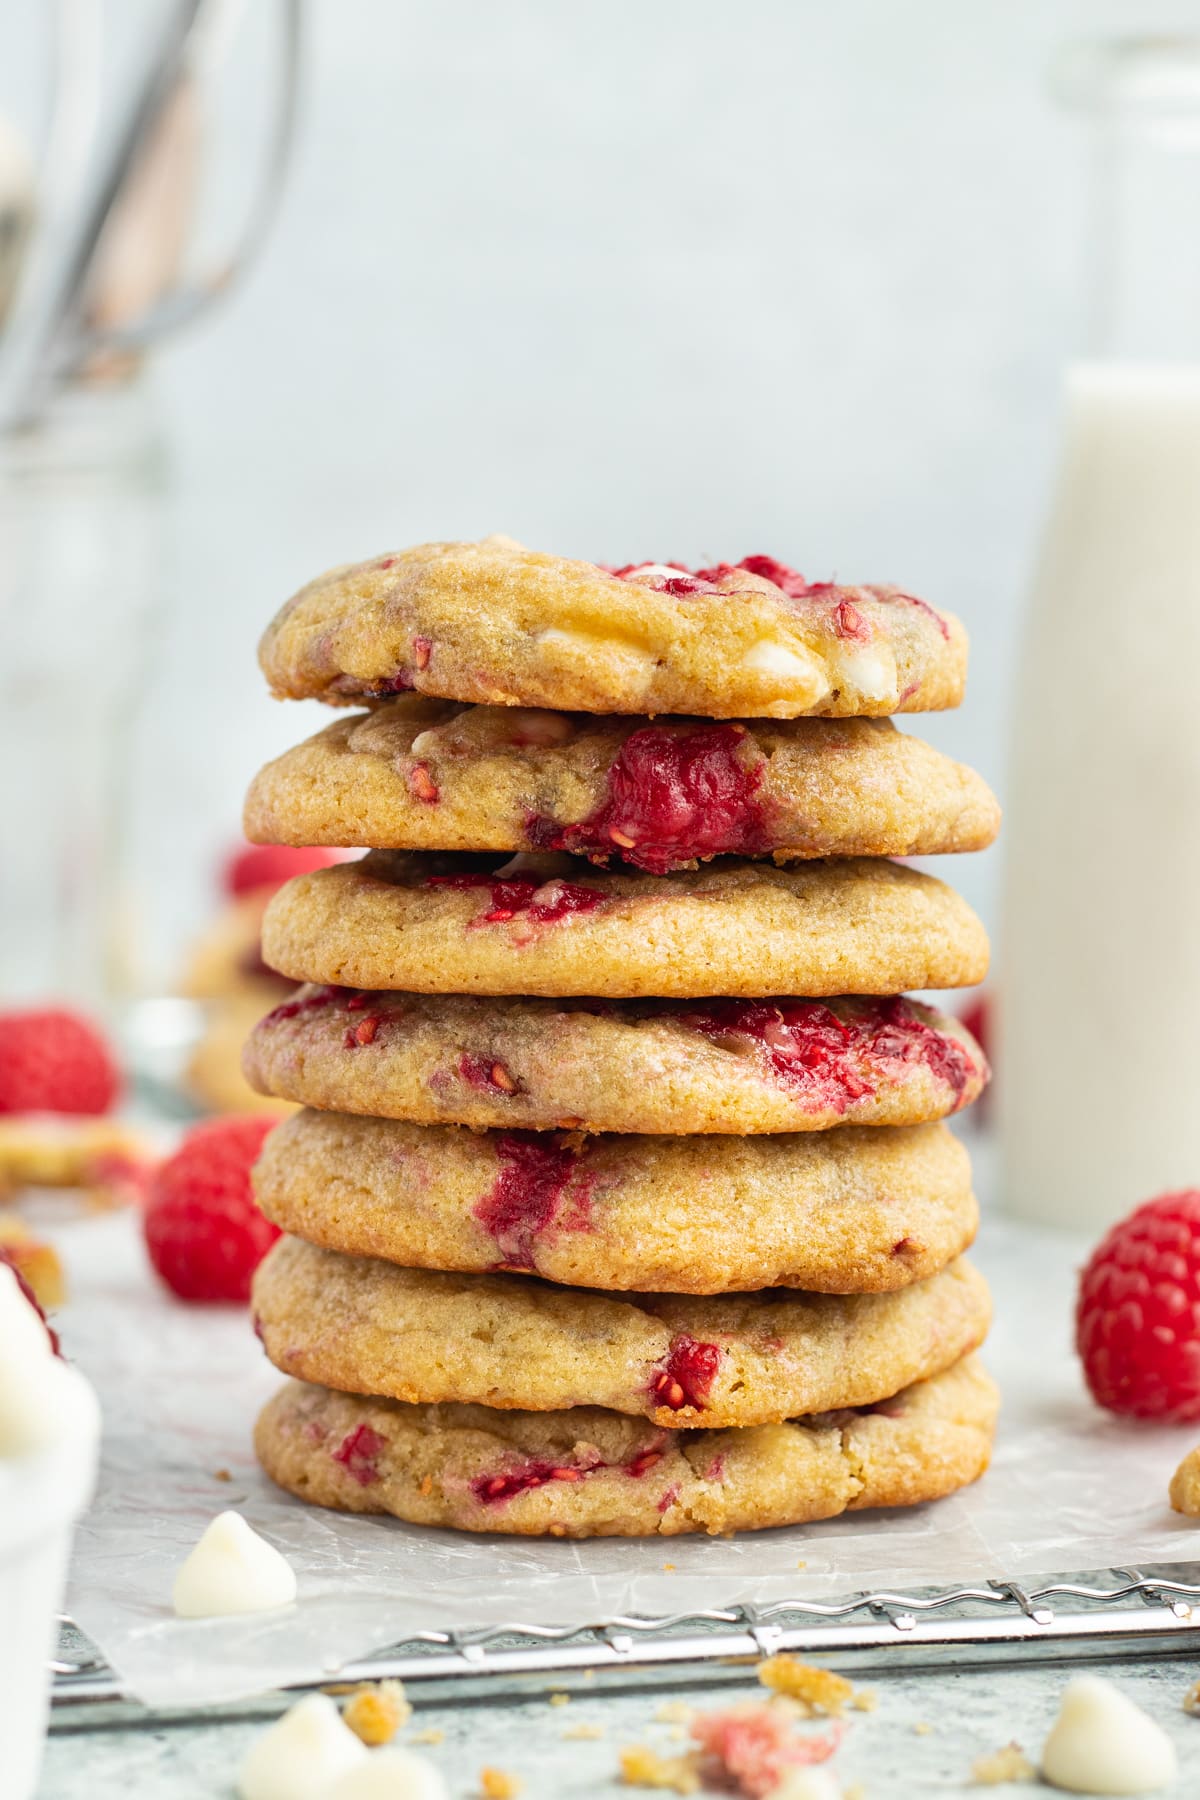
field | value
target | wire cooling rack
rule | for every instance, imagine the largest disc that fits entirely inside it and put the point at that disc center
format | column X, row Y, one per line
column 1105, row 1613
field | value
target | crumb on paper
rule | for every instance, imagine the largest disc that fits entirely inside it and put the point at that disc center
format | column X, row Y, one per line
column 498, row 1784
column 817, row 1690
column 560, row 1699
column 673, row 1712
column 856, row 1791
column 222, row 1475
column 802, row 1564
column 432, row 1734
column 864, row 1700
column 376, row 1711
column 583, row 1731
column 668, row 1568
column 1009, row 1764
column 1191, row 1700
column 1185, row 1485
column 643, row 1767
column 922, row 1728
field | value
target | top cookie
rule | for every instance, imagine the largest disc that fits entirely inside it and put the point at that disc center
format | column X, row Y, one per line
column 497, row 623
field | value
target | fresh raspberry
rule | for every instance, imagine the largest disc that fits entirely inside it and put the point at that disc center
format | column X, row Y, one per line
column 52, row 1060
column 1137, row 1322
column 270, row 865
column 204, row 1232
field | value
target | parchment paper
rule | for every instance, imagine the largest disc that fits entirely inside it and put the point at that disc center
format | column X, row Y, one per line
column 1071, row 1488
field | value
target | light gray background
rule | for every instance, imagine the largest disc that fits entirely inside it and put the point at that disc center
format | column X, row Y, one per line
column 623, row 281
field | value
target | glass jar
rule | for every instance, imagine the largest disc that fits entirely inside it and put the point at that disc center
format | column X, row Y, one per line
column 1099, row 993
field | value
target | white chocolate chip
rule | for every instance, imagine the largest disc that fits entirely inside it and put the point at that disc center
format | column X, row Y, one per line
column 394, row 1774
column 647, row 573
column 806, row 1784
column 791, row 670
column 869, row 669
column 232, row 1570
column 38, row 1397
column 302, row 1754
column 1101, row 1743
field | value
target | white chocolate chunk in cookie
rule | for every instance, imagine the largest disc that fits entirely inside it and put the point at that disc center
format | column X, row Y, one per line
column 869, row 669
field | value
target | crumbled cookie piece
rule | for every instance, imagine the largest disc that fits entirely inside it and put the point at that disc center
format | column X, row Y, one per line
column 222, row 1475
column 1009, row 1764
column 922, row 1728
column 583, row 1731
column 376, row 1711
column 673, row 1712
column 1185, row 1485
column 560, row 1699
column 816, row 1690
column 36, row 1261
column 431, row 1735
column 498, row 1784
column 643, row 1767
column 1191, row 1700
column 864, row 1700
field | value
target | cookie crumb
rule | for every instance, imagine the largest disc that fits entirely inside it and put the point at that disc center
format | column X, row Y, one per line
column 643, row 1767
column 559, row 1699
column 498, row 1784
column 817, row 1690
column 376, row 1711
column 1009, row 1764
column 668, row 1568
column 1191, row 1700
column 1185, row 1485
column 222, row 1475
column 802, row 1564
column 864, row 1700
column 431, row 1735
column 583, row 1731
column 922, row 1728
column 673, row 1712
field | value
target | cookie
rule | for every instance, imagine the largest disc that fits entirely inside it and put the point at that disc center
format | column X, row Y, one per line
column 590, row 1473
column 727, row 1066
column 497, row 623
column 462, row 925
column 420, row 774
column 848, row 1211
column 369, row 1327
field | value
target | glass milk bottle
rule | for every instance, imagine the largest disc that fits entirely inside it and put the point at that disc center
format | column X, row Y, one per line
column 1099, row 991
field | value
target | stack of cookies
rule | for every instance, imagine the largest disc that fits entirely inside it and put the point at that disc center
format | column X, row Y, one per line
column 622, row 1201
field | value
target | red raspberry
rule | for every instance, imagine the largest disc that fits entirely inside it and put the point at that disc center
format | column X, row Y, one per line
column 203, row 1229
column 1137, row 1322
column 270, row 865
column 52, row 1060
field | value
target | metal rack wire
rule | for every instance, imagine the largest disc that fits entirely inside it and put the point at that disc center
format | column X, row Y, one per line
column 1107, row 1613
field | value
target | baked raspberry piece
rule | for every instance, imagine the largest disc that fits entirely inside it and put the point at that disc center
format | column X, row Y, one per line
column 270, row 865
column 1137, row 1321
column 673, row 797
column 54, row 1060
column 754, row 1744
column 204, row 1232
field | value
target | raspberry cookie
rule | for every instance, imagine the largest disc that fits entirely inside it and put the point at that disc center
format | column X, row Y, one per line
column 497, row 623
column 590, row 1473
column 419, row 774
column 368, row 1327
column 729, row 1066
column 849, row 1211
column 858, row 925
